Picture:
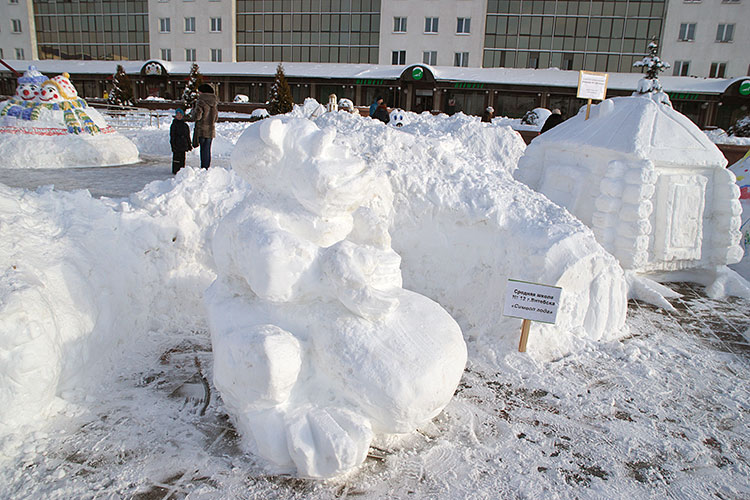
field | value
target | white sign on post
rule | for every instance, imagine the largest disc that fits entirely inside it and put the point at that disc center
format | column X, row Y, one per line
column 532, row 301
column 592, row 85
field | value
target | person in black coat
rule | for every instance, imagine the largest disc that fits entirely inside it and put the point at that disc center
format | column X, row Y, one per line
column 552, row 120
column 381, row 113
column 179, row 139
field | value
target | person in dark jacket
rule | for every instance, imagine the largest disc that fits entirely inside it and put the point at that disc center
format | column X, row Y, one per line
column 377, row 102
column 488, row 115
column 381, row 113
column 179, row 139
column 552, row 120
column 205, row 114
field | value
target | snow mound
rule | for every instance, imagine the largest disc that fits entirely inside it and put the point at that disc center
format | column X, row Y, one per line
column 463, row 226
column 317, row 347
column 86, row 278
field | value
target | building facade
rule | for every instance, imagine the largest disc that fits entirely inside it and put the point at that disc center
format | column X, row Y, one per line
column 17, row 30
column 607, row 36
column 702, row 38
column 707, row 38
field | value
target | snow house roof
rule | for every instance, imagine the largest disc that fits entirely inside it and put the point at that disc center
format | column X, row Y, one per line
column 637, row 127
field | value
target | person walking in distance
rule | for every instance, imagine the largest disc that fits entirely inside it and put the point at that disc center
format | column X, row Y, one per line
column 205, row 113
column 179, row 139
column 377, row 102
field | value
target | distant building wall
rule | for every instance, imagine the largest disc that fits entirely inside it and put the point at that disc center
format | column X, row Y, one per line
column 432, row 32
column 17, row 33
column 596, row 36
column 701, row 36
column 308, row 31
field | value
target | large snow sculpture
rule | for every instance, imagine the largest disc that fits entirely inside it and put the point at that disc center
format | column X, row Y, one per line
column 647, row 181
column 316, row 345
column 46, row 124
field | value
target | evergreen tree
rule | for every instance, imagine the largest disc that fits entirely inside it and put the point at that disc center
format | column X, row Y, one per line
column 280, row 101
column 122, row 89
column 654, row 65
column 190, row 94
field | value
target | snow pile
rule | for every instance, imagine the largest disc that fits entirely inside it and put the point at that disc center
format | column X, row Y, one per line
column 309, row 278
column 719, row 136
column 86, row 278
column 46, row 125
column 650, row 184
column 463, row 226
column 316, row 344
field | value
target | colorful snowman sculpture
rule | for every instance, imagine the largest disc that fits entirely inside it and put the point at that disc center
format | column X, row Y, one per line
column 36, row 96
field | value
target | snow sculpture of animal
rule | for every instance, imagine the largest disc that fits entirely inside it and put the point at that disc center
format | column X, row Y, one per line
column 316, row 345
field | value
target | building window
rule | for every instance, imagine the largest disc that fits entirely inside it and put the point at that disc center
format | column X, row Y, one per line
column 166, row 54
column 687, row 32
column 215, row 55
column 398, row 57
column 429, row 57
column 430, row 24
column 681, row 68
column 13, row 1
column 461, row 59
column 717, row 70
column 533, row 60
column 567, row 62
column 725, row 33
column 399, row 25
column 189, row 25
column 165, row 25
column 190, row 55
column 19, row 54
column 215, row 24
column 463, row 25
column 1, row 53
column 15, row 25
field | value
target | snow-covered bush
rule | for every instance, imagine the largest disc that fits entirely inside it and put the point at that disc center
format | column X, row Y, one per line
column 741, row 128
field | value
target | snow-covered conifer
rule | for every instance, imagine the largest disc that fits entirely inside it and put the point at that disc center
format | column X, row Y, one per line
column 190, row 94
column 654, row 65
column 122, row 89
column 280, row 101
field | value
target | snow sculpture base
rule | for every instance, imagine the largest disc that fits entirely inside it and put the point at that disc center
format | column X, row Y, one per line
column 316, row 345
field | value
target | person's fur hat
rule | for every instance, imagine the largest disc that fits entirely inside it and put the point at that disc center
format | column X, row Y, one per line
column 205, row 88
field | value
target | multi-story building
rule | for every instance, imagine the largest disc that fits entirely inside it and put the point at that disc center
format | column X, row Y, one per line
column 707, row 38
column 700, row 37
column 17, row 31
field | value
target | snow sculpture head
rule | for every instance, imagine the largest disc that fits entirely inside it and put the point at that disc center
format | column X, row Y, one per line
column 50, row 93
column 398, row 118
column 29, row 84
column 347, row 105
column 312, row 333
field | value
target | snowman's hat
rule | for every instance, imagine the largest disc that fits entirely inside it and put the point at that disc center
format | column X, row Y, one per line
column 32, row 75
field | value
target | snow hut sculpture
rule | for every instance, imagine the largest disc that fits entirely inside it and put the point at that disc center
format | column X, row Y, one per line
column 647, row 181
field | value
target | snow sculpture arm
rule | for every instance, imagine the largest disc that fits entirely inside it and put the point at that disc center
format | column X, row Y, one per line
column 362, row 277
column 250, row 245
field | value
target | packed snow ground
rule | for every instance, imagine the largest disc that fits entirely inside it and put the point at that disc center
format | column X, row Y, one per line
column 661, row 413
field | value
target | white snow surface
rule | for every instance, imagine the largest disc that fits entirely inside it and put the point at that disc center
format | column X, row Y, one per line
column 99, row 293
column 100, row 273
